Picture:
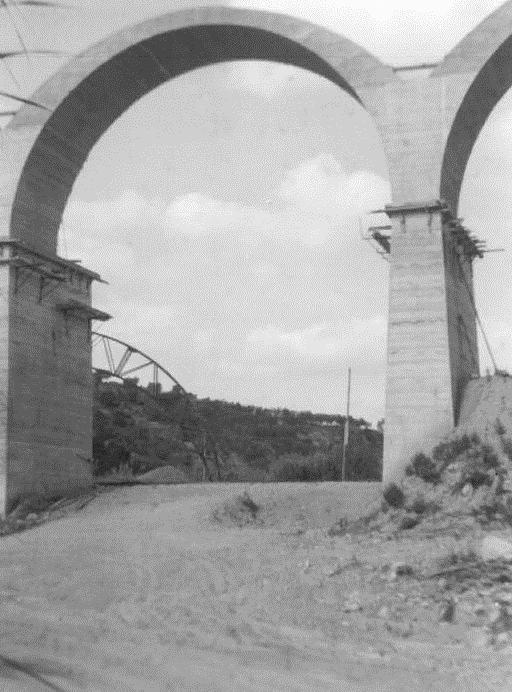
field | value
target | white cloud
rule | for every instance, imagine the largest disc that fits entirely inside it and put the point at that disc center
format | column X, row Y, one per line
column 321, row 185
column 398, row 31
column 314, row 200
column 195, row 214
column 321, row 345
column 192, row 279
column 499, row 334
column 265, row 271
column 125, row 210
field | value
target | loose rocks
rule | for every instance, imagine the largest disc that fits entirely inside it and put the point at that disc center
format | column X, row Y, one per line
column 493, row 547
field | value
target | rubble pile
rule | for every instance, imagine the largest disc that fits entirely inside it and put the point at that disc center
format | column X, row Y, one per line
column 466, row 478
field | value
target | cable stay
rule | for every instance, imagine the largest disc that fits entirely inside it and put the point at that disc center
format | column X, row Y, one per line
column 12, row 8
column 478, row 318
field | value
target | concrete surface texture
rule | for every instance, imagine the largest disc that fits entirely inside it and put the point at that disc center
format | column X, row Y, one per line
column 428, row 127
column 487, row 405
column 47, row 416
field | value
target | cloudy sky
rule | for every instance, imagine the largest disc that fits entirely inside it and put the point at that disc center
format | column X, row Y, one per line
column 224, row 207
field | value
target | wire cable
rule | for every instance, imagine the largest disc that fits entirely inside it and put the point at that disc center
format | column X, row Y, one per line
column 477, row 315
column 7, row 6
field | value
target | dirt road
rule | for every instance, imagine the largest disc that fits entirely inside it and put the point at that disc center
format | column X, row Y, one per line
column 142, row 590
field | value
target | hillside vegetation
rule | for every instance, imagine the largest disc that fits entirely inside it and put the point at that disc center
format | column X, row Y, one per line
column 204, row 439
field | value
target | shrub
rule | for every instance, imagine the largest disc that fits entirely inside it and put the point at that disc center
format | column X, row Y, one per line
column 448, row 451
column 457, row 557
column 421, row 506
column 409, row 521
column 121, row 418
column 506, row 509
column 109, row 398
column 241, row 511
column 293, row 467
column 489, row 457
column 394, row 496
column 423, row 467
column 339, row 528
column 482, row 468
column 236, row 470
column 506, row 445
column 499, row 428
column 137, row 463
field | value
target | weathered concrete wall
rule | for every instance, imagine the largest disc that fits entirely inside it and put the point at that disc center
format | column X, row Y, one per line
column 486, row 400
column 413, row 117
column 419, row 404
column 432, row 338
column 5, row 391
column 462, row 326
column 50, row 428
column 48, row 423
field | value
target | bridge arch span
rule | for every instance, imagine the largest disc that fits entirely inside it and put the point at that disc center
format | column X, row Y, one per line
column 485, row 57
column 48, row 145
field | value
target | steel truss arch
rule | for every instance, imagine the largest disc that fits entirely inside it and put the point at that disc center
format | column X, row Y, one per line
column 117, row 366
column 204, row 442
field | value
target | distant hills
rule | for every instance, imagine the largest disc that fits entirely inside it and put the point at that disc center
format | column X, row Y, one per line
column 205, row 439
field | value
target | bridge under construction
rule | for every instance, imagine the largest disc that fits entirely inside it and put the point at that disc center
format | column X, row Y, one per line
column 428, row 128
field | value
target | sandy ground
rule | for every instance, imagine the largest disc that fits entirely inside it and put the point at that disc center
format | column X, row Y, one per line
column 142, row 590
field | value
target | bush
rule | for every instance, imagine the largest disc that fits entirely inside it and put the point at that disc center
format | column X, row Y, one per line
column 240, row 511
column 421, row 506
column 293, row 467
column 236, row 470
column 489, row 457
column 394, row 496
column 109, row 398
column 499, row 428
column 506, row 445
column 481, row 467
column 339, row 528
column 423, row 467
column 446, row 452
column 409, row 521
column 121, row 418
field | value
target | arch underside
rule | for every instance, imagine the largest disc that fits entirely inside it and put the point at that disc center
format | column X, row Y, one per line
column 86, row 96
column 485, row 53
column 73, row 124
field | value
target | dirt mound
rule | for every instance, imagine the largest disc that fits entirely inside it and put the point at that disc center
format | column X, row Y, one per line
column 465, row 482
column 123, row 596
column 165, row 475
column 296, row 508
column 239, row 511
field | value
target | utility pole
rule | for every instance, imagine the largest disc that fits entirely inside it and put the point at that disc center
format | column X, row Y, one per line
column 346, row 431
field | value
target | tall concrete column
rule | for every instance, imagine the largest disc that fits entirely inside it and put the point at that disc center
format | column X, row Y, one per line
column 432, row 341
column 45, row 373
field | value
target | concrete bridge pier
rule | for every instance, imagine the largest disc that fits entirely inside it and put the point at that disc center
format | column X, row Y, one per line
column 46, row 383
column 432, row 338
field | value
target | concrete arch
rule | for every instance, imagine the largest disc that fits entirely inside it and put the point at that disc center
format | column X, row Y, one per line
column 49, row 145
column 477, row 47
column 485, row 55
